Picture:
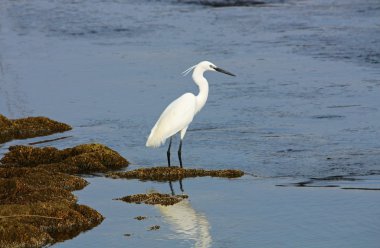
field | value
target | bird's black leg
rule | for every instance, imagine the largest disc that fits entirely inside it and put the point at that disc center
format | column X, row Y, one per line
column 180, row 153
column 168, row 152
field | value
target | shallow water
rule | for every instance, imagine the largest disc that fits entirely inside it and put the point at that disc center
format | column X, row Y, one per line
column 233, row 213
column 304, row 104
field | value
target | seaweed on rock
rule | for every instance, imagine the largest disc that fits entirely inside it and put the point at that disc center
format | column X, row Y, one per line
column 153, row 199
column 173, row 173
column 29, row 127
column 37, row 207
column 88, row 158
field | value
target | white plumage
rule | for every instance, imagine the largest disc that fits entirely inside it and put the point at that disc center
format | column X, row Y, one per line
column 182, row 110
column 180, row 113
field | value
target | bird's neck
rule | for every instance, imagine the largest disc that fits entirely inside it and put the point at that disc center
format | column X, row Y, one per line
column 202, row 83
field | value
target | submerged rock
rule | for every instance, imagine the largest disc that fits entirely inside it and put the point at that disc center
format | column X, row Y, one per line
column 173, row 173
column 153, row 199
column 154, row 228
column 140, row 217
column 29, row 127
column 37, row 207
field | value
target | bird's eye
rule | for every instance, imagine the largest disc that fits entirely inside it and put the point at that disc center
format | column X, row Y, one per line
column 211, row 66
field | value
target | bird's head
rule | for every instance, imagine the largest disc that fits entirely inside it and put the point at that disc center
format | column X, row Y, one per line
column 207, row 66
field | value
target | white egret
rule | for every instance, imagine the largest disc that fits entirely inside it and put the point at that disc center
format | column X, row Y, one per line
column 180, row 113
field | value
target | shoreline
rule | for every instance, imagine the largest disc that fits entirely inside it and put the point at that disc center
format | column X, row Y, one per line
column 37, row 207
column 37, row 185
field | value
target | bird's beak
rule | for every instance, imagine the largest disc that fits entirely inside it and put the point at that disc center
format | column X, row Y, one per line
column 223, row 71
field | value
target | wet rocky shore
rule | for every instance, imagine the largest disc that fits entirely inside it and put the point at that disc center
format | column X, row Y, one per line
column 37, row 206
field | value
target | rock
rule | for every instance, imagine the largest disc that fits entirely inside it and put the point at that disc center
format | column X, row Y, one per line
column 153, row 199
column 140, row 217
column 37, row 207
column 88, row 158
column 29, row 127
column 173, row 173
column 154, row 228
column 42, row 223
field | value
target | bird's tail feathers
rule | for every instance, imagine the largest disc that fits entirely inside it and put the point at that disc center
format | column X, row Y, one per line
column 155, row 139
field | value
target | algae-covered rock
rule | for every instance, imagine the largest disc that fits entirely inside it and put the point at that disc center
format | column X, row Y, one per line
column 21, row 235
column 37, row 207
column 153, row 199
column 154, row 228
column 39, row 224
column 173, row 173
column 29, row 127
column 31, row 185
column 28, row 156
column 88, row 153
column 88, row 158
column 140, row 217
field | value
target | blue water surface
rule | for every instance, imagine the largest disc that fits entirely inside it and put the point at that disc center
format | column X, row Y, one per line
column 304, row 104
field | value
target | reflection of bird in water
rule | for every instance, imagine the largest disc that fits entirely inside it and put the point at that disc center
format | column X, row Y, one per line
column 187, row 223
column 180, row 186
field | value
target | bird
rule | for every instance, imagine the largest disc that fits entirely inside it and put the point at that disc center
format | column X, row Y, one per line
column 178, row 115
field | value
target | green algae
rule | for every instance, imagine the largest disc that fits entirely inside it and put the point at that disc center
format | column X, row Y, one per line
column 162, row 174
column 29, row 127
